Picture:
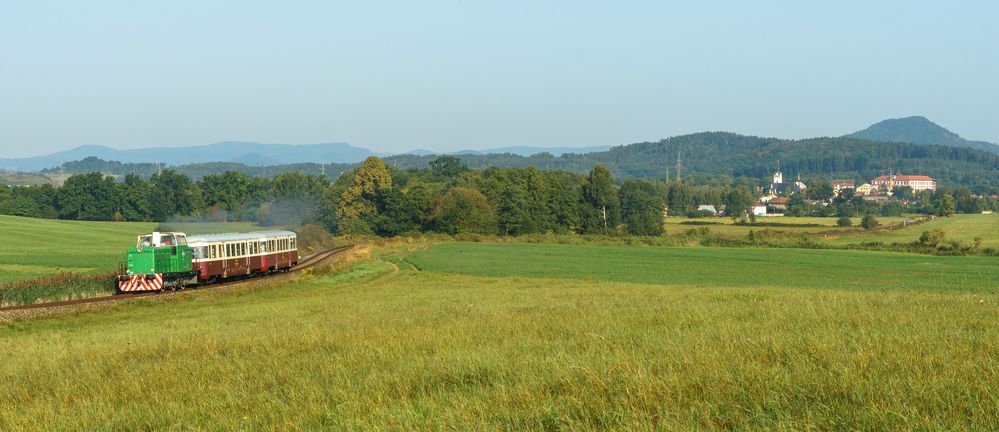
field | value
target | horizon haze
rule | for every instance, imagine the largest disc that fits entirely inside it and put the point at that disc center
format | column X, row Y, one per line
column 456, row 76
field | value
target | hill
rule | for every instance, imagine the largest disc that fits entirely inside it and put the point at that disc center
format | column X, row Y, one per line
column 707, row 157
column 246, row 153
column 249, row 153
column 720, row 156
column 529, row 151
column 918, row 130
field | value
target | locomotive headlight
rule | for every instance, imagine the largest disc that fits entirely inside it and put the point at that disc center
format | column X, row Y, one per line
column 150, row 276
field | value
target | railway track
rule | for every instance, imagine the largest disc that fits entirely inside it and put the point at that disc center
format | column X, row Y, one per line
column 309, row 262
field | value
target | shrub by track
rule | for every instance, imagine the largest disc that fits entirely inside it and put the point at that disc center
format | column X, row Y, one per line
column 309, row 262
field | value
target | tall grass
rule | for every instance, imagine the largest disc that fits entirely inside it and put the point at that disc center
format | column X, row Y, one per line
column 60, row 286
column 377, row 348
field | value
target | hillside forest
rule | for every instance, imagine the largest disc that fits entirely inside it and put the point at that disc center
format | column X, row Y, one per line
column 708, row 158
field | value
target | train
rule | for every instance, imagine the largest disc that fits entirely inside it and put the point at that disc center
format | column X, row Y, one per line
column 173, row 260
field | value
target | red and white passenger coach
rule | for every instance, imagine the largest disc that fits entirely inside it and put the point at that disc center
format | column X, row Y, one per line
column 220, row 256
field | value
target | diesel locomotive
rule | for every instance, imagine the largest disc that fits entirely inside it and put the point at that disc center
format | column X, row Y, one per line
column 173, row 260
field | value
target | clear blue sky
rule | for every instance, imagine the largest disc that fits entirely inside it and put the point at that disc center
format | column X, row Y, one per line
column 394, row 76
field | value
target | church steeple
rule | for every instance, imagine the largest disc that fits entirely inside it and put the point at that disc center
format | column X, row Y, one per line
column 778, row 176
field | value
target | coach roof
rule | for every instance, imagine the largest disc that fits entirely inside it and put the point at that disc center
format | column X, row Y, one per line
column 227, row 237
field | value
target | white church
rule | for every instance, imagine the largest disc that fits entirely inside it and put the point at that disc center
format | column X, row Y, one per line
column 778, row 187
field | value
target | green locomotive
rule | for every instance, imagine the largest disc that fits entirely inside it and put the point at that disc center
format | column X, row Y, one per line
column 158, row 260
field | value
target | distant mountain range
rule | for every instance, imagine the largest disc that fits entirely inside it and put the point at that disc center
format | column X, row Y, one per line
column 709, row 156
column 249, row 154
column 529, row 151
column 918, row 130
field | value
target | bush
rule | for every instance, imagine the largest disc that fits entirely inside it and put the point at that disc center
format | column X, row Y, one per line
column 699, row 214
column 844, row 222
column 869, row 222
column 933, row 237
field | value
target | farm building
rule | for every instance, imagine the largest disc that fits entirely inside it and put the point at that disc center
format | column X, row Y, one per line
column 865, row 189
column 778, row 203
column 840, row 184
column 707, row 207
column 760, row 209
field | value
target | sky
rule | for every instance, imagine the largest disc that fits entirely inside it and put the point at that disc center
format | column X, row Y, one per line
column 393, row 76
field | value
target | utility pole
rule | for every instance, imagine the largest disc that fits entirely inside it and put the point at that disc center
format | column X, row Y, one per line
column 678, row 165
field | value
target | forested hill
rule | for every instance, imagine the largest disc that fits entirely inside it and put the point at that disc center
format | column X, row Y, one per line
column 919, row 130
column 709, row 158
column 720, row 154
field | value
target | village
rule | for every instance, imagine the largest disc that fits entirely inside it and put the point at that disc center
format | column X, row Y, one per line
column 888, row 194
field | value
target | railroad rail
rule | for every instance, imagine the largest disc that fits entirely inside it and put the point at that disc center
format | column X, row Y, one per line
column 309, row 262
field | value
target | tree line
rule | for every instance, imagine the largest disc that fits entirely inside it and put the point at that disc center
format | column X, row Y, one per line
column 446, row 197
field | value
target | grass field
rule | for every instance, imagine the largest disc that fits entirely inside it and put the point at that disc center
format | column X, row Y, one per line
column 32, row 248
column 384, row 346
column 22, row 179
column 718, row 267
column 962, row 227
column 804, row 225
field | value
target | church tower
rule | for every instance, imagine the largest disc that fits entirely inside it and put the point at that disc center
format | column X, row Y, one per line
column 778, row 176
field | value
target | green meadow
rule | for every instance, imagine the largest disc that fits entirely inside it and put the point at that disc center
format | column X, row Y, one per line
column 467, row 336
column 31, row 248
column 962, row 227
column 718, row 267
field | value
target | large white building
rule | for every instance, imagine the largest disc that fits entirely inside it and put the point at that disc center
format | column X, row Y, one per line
column 916, row 182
